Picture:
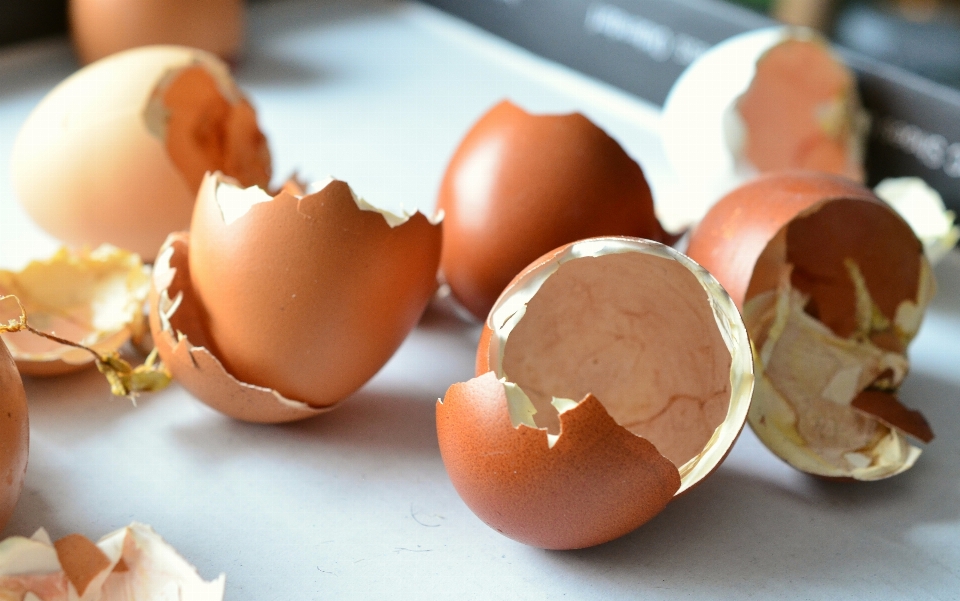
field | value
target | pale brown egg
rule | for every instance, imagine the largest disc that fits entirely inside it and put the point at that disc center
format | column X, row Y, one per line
column 833, row 285
column 276, row 308
column 102, row 27
column 520, row 185
column 14, row 435
column 613, row 375
column 128, row 140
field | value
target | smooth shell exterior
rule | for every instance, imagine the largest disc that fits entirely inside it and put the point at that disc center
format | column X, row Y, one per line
column 538, row 495
column 103, row 27
column 592, row 479
column 94, row 298
column 520, row 185
column 119, row 151
column 176, row 323
column 309, row 296
column 14, row 435
column 808, row 116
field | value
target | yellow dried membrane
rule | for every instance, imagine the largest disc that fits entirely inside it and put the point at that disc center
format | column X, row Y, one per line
column 94, row 298
column 807, row 378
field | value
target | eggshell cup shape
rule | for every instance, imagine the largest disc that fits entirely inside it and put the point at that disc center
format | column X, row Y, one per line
column 766, row 100
column 276, row 308
column 94, row 298
column 129, row 139
column 14, row 435
column 833, row 285
column 614, row 374
column 520, row 185
column 103, row 27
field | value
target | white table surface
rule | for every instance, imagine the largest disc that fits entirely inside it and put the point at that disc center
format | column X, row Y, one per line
column 356, row 503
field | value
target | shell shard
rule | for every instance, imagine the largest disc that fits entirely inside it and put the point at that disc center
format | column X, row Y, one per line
column 94, row 298
column 131, row 563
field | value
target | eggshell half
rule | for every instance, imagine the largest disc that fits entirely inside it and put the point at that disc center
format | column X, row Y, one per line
column 177, row 326
column 658, row 359
column 14, row 435
column 297, row 297
column 766, row 100
column 520, row 185
column 129, row 139
column 833, row 285
column 102, row 27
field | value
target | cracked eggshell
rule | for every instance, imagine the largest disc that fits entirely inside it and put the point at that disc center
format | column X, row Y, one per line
column 520, row 185
column 102, row 27
column 297, row 301
column 762, row 101
column 833, row 284
column 14, row 435
column 130, row 563
column 613, row 375
column 94, row 298
column 129, row 139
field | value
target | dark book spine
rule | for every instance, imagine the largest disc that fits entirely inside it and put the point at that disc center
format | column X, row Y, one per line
column 642, row 46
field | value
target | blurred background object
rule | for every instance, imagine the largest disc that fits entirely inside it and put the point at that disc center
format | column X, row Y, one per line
column 21, row 20
column 103, row 27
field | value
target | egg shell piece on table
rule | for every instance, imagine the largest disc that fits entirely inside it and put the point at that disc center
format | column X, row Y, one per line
column 14, row 434
column 94, row 298
column 275, row 308
column 520, row 185
column 100, row 28
column 833, row 285
column 765, row 100
column 613, row 375
column 129, row 139
column 130, row 563
column 922, row 207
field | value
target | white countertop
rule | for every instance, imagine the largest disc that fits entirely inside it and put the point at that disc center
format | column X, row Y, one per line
column 356, row 503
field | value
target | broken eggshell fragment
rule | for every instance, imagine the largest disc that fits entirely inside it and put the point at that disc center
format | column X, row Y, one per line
column 129, row 139
column 922, row 207
column 833, row 285
column 613, row 375
column 766, row 100
column 14, row 435
column 94, row 298
column 520, row 185
column 275, row 308
column 131, row 563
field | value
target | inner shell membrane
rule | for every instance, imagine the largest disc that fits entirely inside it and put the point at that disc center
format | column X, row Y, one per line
column 207, row 132
column 638, row 332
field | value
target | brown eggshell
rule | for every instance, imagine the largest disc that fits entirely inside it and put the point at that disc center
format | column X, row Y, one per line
column 658, row 354
column 538, row 495
column 520, row 185
column 791, row 247
column 103, row 27
column 178, row 332
column 309, row 296
column 14, row 435
column 731, row 238
column 128, row 163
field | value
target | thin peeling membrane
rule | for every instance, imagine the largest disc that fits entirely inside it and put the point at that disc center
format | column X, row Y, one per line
column 94, row 298
column 808, row 379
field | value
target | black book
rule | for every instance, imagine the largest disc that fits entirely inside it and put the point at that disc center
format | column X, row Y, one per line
column 642, row 46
